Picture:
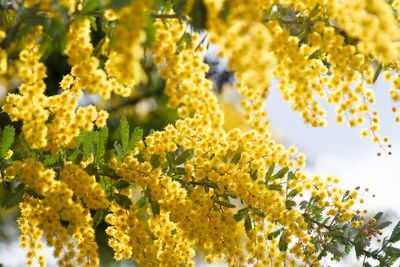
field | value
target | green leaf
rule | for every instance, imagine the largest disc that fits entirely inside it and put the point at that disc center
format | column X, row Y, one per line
column 15, row 197
column 392, row 251
column 395, row 236
column 99, row 217
column 141, row 202
column 292, row 193
column 259, row 212
column 239, row 216
column 6, row 139
column 185, row 156
column 101, row 144
column 269, row 172
column 275, row 234
column 104, row 183
column 275, row 187
column 89, row 6
column 155, row 207
column 378, row 216
column 334, row 250
column 253, row 175
column 236, row 158
column 122, row 200
column 377, row 72
column 135, row 138
column 359, row 245
column 88, row 142
column 247, row 224
column 119, row 150
column 290, row 204
column 124, row 133
column 155, row 161
column 179, row 5
column 198, row 15
column 225, row 11
column 51, row 160
column 280, row 173
column 316, row 54
column 383, row 225
column 118, row 4
column 223, row 203
column 121, row 184
column 150, row 31
column 76, row 156
column 283, row 245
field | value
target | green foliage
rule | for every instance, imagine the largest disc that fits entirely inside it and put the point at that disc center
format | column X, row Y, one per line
column 6, row 140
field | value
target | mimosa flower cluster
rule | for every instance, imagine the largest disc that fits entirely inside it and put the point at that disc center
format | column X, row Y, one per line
column 196, row 186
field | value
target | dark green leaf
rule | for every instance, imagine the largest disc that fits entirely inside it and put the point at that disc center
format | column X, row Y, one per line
column 198, row 15
column 185, row 156
column 283, row 245
column 290, row 204
column 292, row 193
column 316, row 54
column 395, row 236
column 118, row 4
column 122, row 200
column 15, row 197
column 275, row 187
column 236, row 158
column 155, row 207
column 99, row 217
column 121, row 184
column 225, row 11
column 275, row 234
column 179, row 5
column 247, row 224
column 253, row 175
column 259, row 212
column 280, row 173
column 383, row 225
column 378, row 216
column 377, row 72
column 239, row 216
column 392, row 251
column 269, row 172
column 155, row 161
column 223, row 203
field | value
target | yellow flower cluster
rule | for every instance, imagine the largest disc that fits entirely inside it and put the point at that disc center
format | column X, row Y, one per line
column 84, row 186
column 204, row 222
column 86, row 72
column 48, row 122
column 123, row 64
column 248, row 55
column 44, row 216
column 195, row 177
column 371, row 21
